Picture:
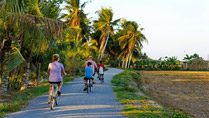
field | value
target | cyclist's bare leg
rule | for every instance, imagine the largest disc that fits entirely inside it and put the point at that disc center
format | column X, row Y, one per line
column 93, row 79
column 85, row 81
column 49, row 90
column 60, row 86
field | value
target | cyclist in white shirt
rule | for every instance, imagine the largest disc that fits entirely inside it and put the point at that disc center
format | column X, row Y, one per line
column 101, row 68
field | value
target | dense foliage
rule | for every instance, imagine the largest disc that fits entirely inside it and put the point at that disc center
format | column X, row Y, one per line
column 31, row 31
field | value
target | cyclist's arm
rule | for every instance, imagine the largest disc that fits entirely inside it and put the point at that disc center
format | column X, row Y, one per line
column 63, row 72
column 103, row 67
column 48, row 70
column 85, row 64
column 63, row 69
column 95, row 65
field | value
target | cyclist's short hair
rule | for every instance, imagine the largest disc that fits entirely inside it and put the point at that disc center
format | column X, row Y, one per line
column 100, row 61
column 89, row 63
column 55, row 57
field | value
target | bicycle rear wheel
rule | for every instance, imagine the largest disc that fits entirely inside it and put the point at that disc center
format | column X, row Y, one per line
column 52, row 100
column 100, row 78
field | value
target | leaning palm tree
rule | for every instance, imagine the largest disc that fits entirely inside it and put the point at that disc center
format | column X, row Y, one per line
column 131, row 39
column 104, row 25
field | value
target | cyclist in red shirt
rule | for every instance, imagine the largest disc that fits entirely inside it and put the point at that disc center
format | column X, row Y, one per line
column 101, row 68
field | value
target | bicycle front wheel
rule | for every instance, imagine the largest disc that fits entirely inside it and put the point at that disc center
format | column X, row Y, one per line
column 90, row 85
column 57, row 100
column 87, row 86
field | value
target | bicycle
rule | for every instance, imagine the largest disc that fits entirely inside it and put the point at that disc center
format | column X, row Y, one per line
column 88, row 86
column 54, row 98
column 101, row 78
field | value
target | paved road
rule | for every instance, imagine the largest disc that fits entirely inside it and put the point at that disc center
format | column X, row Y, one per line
column 75, row 103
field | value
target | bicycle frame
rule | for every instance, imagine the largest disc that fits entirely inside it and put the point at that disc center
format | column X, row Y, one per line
column 53, row 94
column 88, row 85
column 54, row 89
column 101, row 78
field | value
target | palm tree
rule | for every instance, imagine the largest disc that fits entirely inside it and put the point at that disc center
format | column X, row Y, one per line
column 104, row 25
column 131, row 40
column 18, row 26
column 114, row 50
column 52, row 10
column 73, row 18
column 77, row 50
column 172, row 62
column 77, row 18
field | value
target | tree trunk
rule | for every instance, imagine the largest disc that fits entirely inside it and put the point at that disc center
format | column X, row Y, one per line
column 129, row 61
column 105, row 45
column 25, row 84
column 39, row 73
column 119, row 63
column 123, row 63
column 5, row 77
column 5, row 81
column 126, row 62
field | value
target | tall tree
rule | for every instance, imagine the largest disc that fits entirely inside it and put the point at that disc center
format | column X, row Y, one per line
column 77, row 18
column 50, row 8
column 131, row 40
column 19, row 27
column 104, row 25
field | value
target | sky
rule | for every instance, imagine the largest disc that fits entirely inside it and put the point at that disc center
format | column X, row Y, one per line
column 172, row 27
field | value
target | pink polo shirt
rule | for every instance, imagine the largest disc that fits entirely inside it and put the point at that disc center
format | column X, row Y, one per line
column 93, row 65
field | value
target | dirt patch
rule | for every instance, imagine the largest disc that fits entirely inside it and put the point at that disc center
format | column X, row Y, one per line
column 184, row 90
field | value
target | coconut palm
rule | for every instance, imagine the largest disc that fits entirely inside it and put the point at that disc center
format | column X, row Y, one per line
column 18, row 26
column 77, row 50
column 104, row 25
column 52, row 10
column 114, row 50
column 131, row 40
column 77, row 18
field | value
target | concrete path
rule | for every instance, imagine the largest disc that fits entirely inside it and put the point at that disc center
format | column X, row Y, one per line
column 75, row 103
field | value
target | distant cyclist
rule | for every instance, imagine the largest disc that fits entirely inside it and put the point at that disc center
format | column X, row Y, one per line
column 101, row 69
column 93, row 65
column 54, row 70
column 88, row 75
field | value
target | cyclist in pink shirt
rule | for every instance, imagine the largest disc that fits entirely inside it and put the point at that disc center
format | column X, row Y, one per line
column 93, row 65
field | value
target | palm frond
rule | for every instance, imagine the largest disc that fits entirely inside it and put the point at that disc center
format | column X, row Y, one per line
column 54, row 27
column 14, row 60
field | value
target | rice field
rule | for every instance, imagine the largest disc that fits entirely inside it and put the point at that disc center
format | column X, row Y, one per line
column 184, row 90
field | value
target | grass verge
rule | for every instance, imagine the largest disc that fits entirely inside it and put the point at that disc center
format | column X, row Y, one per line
column 127, row 87
column 18, row 100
